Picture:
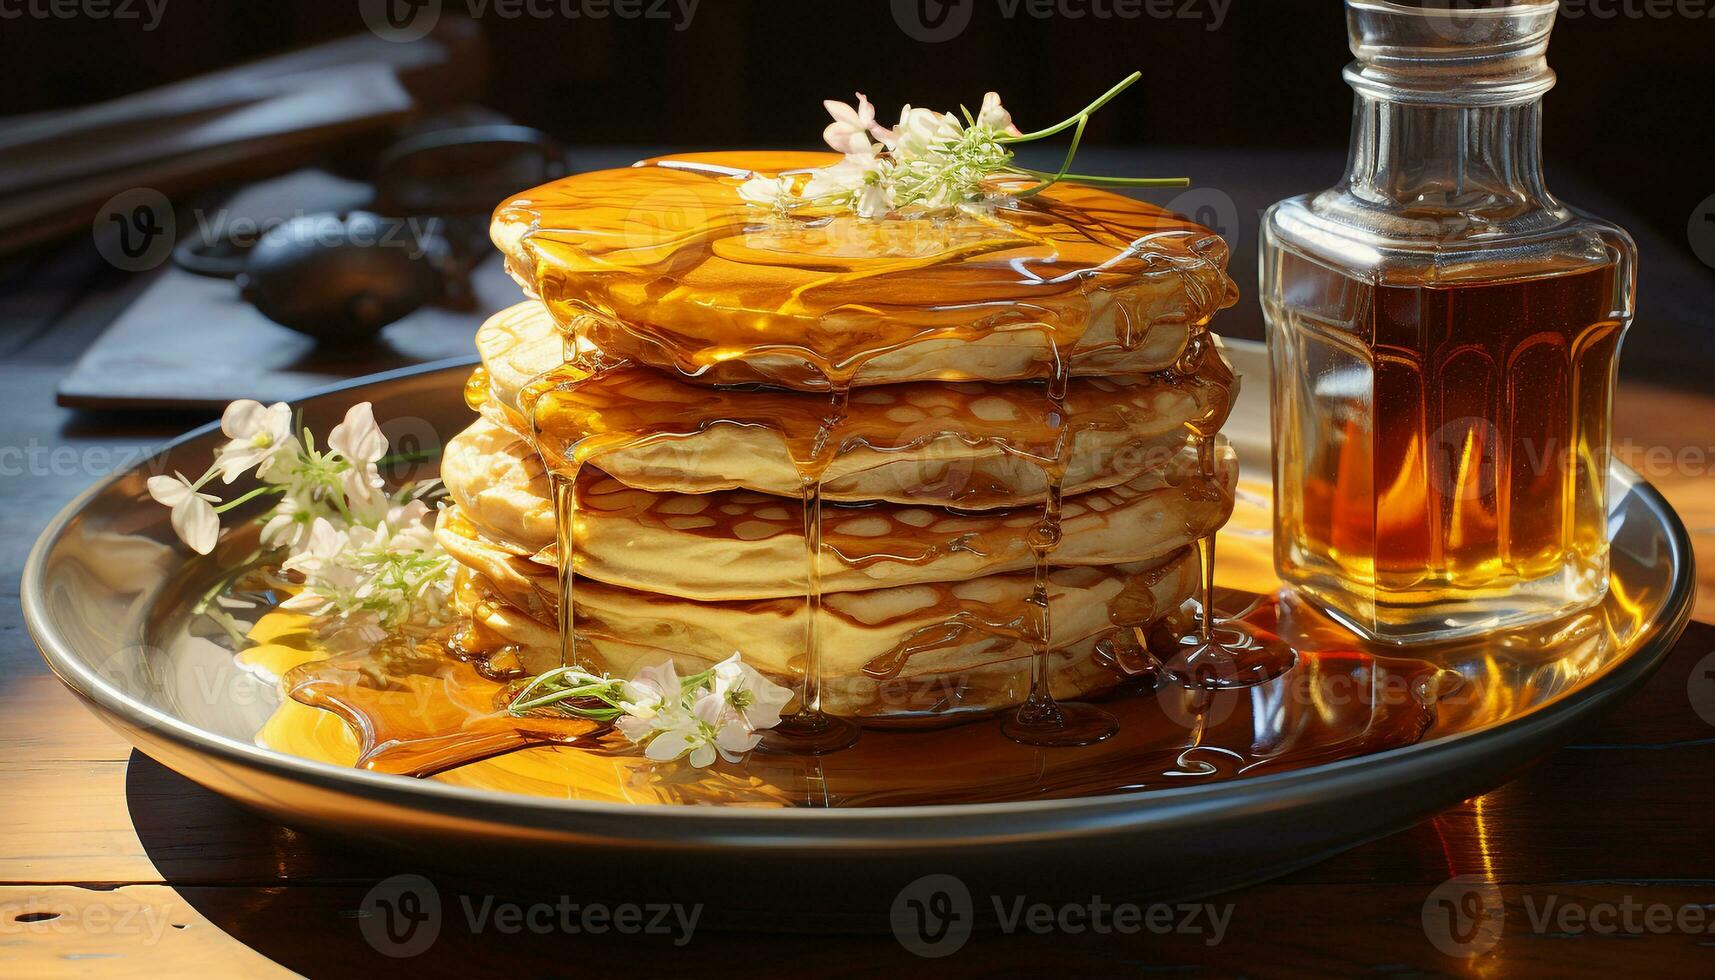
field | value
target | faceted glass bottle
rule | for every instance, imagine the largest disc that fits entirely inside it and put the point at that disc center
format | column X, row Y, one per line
column 1444, row 336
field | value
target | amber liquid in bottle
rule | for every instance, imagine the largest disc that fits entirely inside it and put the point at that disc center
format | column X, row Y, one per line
column 1444, row 333
column 1451, row 441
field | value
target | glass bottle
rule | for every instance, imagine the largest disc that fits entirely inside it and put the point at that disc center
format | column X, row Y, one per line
column 1444, row 335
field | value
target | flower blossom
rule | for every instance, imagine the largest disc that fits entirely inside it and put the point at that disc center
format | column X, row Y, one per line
column 194, row 519
column 256, row 436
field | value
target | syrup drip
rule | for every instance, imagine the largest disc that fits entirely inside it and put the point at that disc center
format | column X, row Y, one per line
column 1220, row 655
column 564, row 489
column 809, row 731
column 1040, row 720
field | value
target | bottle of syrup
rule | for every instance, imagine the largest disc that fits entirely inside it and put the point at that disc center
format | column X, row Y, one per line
column 1444, row 335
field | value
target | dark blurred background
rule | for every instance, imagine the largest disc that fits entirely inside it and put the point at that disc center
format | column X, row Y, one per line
column 1244, row 96
column 1633, row 108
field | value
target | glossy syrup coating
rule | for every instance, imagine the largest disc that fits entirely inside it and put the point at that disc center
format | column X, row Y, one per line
column 664, row 263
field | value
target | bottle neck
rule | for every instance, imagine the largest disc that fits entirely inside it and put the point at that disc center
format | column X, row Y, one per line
column 1416, row 158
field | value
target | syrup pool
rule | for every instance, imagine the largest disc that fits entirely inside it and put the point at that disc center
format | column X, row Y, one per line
column 415, row 710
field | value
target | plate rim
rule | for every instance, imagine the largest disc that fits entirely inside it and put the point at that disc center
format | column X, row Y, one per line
column 102, row 696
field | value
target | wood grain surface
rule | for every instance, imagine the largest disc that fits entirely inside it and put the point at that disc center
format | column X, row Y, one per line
column 111, row 865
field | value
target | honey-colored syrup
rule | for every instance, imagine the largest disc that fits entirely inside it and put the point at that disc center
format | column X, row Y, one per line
column 665, row 264
column 435, row 711
column 1448, row 442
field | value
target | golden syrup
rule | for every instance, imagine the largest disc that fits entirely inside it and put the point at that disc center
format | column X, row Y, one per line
column 1454, row 457
column 1341, row 702
column 421, row 705
column 1219, row 655
column 664, row 264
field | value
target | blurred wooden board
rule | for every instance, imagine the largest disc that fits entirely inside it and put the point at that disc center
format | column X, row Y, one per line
column 190, row 342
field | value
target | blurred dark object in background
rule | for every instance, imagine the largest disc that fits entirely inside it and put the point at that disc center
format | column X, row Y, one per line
column 1632, row 108
column 263, row 117
column 1243, row 96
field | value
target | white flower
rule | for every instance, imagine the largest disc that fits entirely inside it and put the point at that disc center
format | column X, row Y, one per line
column 645, row 696
column 358, row 440
column 194, row 519
column 767, row 192
column 671, row 733
column 921, row 133
column 257, row 436
column 849, row 132
column 703, row 733
column 706, row 722
column 858, row 178
column 290, row 523
column 323, row 544
column 368, row 580
column 929, row 161
column 323, row 579
column 752, row 697
column 994, row 116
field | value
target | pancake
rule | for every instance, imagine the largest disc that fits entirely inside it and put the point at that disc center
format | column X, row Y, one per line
column 744, row 545
column 962, row 445
column 866, row 673
column 663, row 263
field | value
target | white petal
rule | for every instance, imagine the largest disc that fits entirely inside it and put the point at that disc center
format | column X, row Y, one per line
column 358, row 439
column 237, row 458
column 168, row 490
column 662, row 678
column 710, row 709
column 243, row 419
column 841, row 112
column 668, row 746
column 305, row 601
column 196, row 523
column 736, row 739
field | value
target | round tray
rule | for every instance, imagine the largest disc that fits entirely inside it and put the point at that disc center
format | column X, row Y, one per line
column 106, row 575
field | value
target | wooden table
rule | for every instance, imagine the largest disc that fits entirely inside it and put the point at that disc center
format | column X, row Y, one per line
column 111, row 865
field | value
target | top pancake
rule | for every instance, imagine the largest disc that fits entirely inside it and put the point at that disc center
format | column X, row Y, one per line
column 663, row 263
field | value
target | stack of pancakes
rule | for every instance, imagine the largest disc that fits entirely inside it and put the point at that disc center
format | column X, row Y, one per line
column 703, row 377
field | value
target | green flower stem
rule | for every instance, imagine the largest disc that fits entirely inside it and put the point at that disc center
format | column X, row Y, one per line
column 1090, row 109
column 1077, row 124
column 1065, row 165
column 583, row 685
column 1113, row 181
column 420, row 456
column 252, row 495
